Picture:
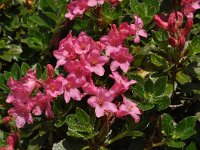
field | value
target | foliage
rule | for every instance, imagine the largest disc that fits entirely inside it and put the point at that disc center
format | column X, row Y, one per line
column 158, row 107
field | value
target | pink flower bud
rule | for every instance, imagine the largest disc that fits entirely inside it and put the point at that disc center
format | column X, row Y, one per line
column 173, row 42
column 6, row 120
column 160, row 22
column 188, row 27
column 50, row 70
column 12, row 139
column 181, row 42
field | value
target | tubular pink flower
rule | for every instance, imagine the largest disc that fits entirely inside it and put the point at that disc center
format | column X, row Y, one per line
column 94, row 62
column 66, row 50
column 122, row 59
column 137, row 29
column 84, row 44
column 71, row 85
column 93, row 3
column 22, row 113
column 121, row 83
column 129, row 108
column 43, row 103
column 76, row 8
column 54, row 87
column 78, row 68
column 102, row 102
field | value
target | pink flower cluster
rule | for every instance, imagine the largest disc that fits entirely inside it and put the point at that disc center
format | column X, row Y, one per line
column 78, row 7
column 177, row 34
column 189, row 7
column 81, row 57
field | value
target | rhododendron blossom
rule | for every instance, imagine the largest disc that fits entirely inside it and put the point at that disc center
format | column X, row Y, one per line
column 121, row 83
column 189, row 7
column 129, row 108
column 102, row 102
column 137, row 29
column 121, row 59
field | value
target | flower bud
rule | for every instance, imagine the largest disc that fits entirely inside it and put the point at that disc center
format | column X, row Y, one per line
column 188, row 27
column 173, row 42
column 160, row 23
column 50, row 70
column 12, row 139
column 181, row 42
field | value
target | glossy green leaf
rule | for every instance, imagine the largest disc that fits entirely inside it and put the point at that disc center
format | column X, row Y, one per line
column 16, row 71
column 194, row 47
column 167, row 124
column 185, row 128
column 158, row 61
column 39, row 21
column 160, row 86
column 182, row 78
column 162, row 102
column 191, row 146
column 24, row 68
column 175, row 144
column 80, row 125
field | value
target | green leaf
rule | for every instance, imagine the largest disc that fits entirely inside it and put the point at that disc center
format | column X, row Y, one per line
column 16, row 71
column 11, row 51
column 7, row 75
column 167, row 124
column 182, row 78
column 148, row 86
column 39, row 21
column 194, row 47
column 191, row 146
column 162, row 102
column 145, row 106
column 80, row 125
column 158, row 61
column 134, row 133
column 4, row 87
column 168, row 90
column 38, row 71
column 52, row 5
column 160, row 85
column 184, row 129
column 175, row 144
column 24, row 68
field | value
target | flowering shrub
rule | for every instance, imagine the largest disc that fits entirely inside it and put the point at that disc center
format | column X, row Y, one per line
column 110, row 74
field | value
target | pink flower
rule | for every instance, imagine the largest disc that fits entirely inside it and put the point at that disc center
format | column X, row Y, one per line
column 95, row 62
column 75, row 8
column 22, row 113
column 93, row 3
column 71, row 85
column 102, row 102
column 129, row 108
column 90, row 88
column 125, row 29
column 78, row 68
column 66, row 51
column 42, row 103
column 137, row 29
column 122, row 59
column 17, row 86
column 84, row 44
column 113, row 40
column 12, row 139
column 189, row 7
column 54, row 87
column 121, row 84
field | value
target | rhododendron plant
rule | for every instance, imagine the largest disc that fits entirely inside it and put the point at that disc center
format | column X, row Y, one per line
column 99, row 74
